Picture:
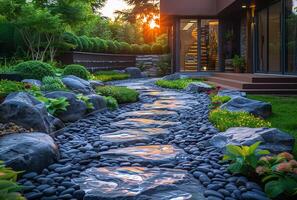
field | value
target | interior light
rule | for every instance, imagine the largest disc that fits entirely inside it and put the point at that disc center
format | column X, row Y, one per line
column 243, row 6
column 188, row 26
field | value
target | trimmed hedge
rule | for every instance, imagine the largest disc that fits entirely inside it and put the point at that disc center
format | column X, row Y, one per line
column 76, row 70
column 121, row 94
column 34, row 70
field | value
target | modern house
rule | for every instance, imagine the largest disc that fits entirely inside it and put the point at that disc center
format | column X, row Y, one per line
column 205, row 35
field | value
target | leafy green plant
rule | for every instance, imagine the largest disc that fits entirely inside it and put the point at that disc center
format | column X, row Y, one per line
column 111, row 103
column 157, row 49
column 121, row 94
column 136, row 49
column 54, row 106
column 217, row 101
column 279, row 174
column 34, row 70
column 223, row 120
column 7, row 87
column 9, row 189
column 244, row 159
column 239, row 63
column 52, row 84
column 76, row 70
column 146, row 49
column 86, row 100
column 109, row 76
column 176, row 84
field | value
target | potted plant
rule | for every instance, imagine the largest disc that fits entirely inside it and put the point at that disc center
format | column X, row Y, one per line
column 238, row 63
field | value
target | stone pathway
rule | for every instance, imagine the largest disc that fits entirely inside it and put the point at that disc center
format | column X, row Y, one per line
column 155, row 149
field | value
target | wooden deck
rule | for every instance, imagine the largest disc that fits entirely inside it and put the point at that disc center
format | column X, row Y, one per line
column 255, row 83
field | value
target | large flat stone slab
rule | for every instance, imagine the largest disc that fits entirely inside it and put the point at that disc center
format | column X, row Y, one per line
column 137, row 183
column 151, row 154
column 149, row 113
column 166, row 94
column 144, row 123
column 173, row 105
column 133, row 136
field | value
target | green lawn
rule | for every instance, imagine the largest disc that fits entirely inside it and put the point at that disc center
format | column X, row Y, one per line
column 284, row 114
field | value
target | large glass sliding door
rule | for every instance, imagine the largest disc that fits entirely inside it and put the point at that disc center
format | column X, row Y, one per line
column 198, row 48
column 269, row 39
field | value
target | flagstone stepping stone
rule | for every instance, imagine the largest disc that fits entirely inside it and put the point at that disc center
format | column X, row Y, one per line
column 164, row 94
column 151, row 154
column 133, row 136
column 138, row 183
column 144, row 123
column 149, row 113
column 163, row 105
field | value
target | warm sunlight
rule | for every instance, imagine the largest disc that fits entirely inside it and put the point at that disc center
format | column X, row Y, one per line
column 153, row 24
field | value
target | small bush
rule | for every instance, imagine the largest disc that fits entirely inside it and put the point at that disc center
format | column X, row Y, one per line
column 146, row 49
column 136, row 49
column 111, row 103
column 72, row 40
column 34, row 70
column 86, row 45
column 176, row 84
column 157, row 49
column 76, row 70
column 111, row 47
column 125, row 48
column 118, row 47
column 217, row 101
column 8, row 184
column 224, row 120
column 93, row 45
column 52, row 84
column 121, row 94
column 7, row 87
column 110, row 76
column 101, row 45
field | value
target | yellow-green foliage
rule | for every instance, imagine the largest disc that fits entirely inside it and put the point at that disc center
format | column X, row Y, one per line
column 217, row 101
column 176, row 84
column 121, row 94
column 7, row 87
column 224, row 120
column 109, row 76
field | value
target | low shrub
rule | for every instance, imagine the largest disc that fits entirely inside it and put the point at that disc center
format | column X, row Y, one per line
column 118, row 47
column 111, row 103
column 101, row 45
column 146, row 49
column 76, row 70
column 217, row 101
column 111, row 47
column 176, row 84
column 50, row 83
column 85, row 43
column 9, row 189
column 34, row 70
column 71, row 40
column 136, row 49
column 224, row 120
column 125, row 48
column 121, row 94
column 157, row 49
column 7, row 87
column 54, row 106
column 109, row 76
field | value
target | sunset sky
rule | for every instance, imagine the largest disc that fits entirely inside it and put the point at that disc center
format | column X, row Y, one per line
column 113, row 5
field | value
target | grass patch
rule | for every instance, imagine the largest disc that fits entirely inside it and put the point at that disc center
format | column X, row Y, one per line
column 176, row 84
column 224, row 120
column 284, row 113
column 121, row 94
column 109, row 76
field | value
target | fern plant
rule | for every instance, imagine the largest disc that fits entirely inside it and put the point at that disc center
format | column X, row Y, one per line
column 244, row 159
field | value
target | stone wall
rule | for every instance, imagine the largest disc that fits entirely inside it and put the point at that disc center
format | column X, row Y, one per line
column 149, row 62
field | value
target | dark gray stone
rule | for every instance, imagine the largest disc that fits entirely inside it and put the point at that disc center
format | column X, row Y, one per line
column 25, row 110
column 138, row 183
column 134, row 72
column 28, row 151
column 231, row 93
column 257, row 108
column 78, row 85
column 34, row 82
column 198, row 87
column 75, row 111
column 172, row 77
column 253, row 196
column 98, row 102
column 94, row 84
column 272, row 139
column 153, row 154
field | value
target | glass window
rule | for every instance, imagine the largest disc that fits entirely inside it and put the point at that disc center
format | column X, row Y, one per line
column 291, row 36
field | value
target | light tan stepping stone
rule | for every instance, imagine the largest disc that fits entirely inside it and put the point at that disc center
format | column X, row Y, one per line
column 132, row 136
column 144, row 123
column 135, row 183
column 149, row 113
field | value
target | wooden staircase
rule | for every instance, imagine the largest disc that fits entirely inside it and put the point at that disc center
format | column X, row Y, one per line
column 256, row 83
column 191, row 61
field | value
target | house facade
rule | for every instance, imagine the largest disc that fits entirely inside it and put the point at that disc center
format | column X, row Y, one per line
column 204, row 35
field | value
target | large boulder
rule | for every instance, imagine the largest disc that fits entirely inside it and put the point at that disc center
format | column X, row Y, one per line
column 231, row 93
column 94, row 84
column 172, row 77
column 134, row 72
column 25, row 110
column 241, row 104
column 272, row 139
column 34, row 82
column 198, row 87
column 78, row 85
column 98, row 102
column 75, row 111
column 28, row 151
